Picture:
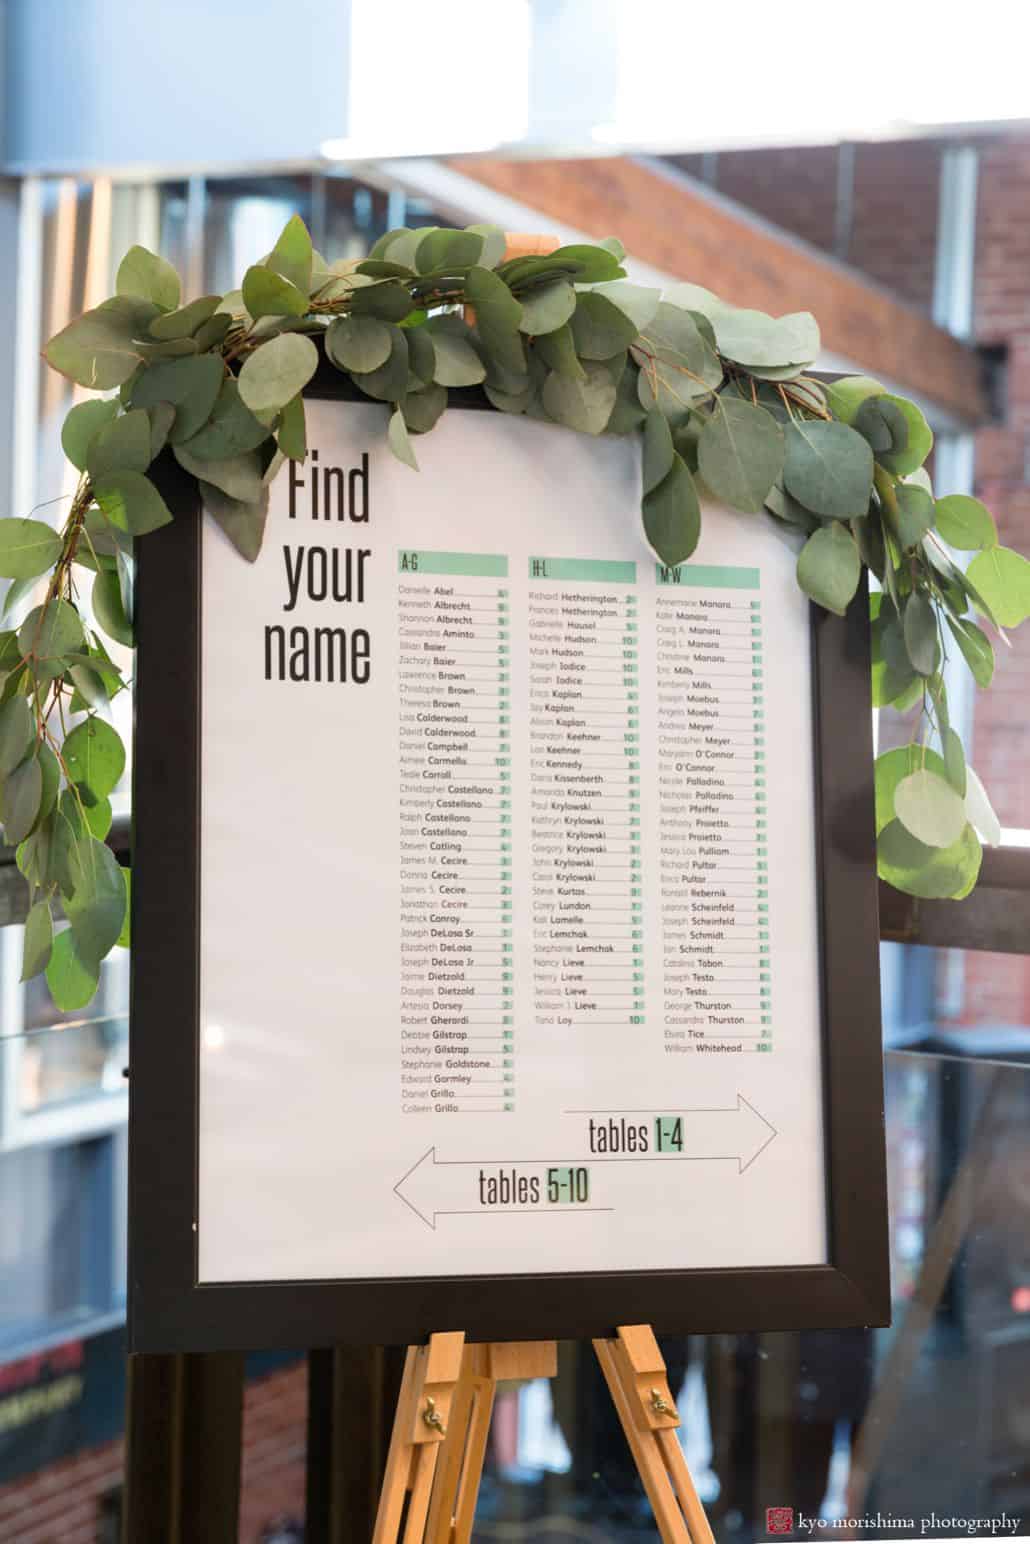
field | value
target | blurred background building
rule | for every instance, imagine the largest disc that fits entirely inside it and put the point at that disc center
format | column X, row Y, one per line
column 724, row 150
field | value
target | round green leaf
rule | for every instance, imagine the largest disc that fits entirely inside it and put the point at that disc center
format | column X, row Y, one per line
column 498, row 317
column 954, row 762
column 845, row 397
column 292, row 255
column 920, row 629
column 752, row 338
column 292, row 434
column 190, row 385
column 47, row 633
column 585, row 405
column 443, row 251
column 17, row 732
column 965, row 523
column 903, row 462
column 600, row 328
column 829, row 567
column 277, row 371
column 121, row 445
column 144, row 274
column 557, row 350
column 933, row 873
column 84, row 421
column 913, row 516
column 397, row 437
column 108, row 608
column 185, row 322
column 38, row 941
column 740, row 453
column 20, row 799
column 828, row 468
column 266, row 293
column 421, row 409
column 390, row 382
column 131, row 502
column 72, row 983
column 243, row 524
column 883, row 426
column 976, row 648
column 548, row 307
column 1003, row 579
column 929, row 808
column 27, row 548
column 231, row 430
column 672, row 514
column 457, row 362
column 638, row 303
column 96, row 906
column 239, row 476
column 359, row 342
column 95, row 756
column 658, row 451
column 980, row 811
column 892, row 767
column 494, row 243
column 387, row 300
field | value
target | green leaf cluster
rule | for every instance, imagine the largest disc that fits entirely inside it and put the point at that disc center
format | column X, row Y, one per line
column 721, row 400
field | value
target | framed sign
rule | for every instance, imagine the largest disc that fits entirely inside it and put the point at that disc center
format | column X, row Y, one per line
column 510, row 962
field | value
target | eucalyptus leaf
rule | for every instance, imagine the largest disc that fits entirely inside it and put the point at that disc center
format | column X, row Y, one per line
column 95, row 756
column 932, row 873
column 828, row 468
column 72, row 982
column 20, row 798
column 740, row 453
column 84, row 421
column 389, row 383
column 239, row 476
column 883, row 426
column 162, row 417
column 231, row 430
column 109, row 610
column 955, row 762
column 17, row 732
column 829, row 567
column 291, row 257
column 359, row 343
column 965, row 523
column 845, row 397
column 447, row 250
column 292, row 434
column 421, row 409
column 975, row 647
column 920, row 629
column 639, row 303
column 585, row 405
column 38, row 941
column 558, row 351
column 980, row 811
column 131, row 502
column 190, row 385
column 1003, row 579
column 268, row 294
column 96, row 907
column 142, row 273
column 547, row 308
column 243, row 524
column 185, row 322
column 400, row 444
column 122, row 444
column 387, row 300
column 457, row 362
column 494, row 244
column 48, row 632
column 27, row 548
column 929, row 808
column 672, row 514
column 277, row 371
column 658, row 450
column 98, row 350
column 892, row 767
column 913, row 515
column 600, row 327
column 904, row 461
column 752, row 338
column 498, row 317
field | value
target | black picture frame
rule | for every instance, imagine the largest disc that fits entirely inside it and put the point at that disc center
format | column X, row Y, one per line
column 169, row 1311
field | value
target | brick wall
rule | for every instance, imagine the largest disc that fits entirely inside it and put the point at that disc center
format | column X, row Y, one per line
column 894, row 190
column 61, row 1504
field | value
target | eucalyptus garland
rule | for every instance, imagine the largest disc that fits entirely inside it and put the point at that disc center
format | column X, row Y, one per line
column 721, row 398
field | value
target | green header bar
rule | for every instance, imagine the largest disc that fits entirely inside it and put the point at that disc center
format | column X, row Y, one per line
column 479, row 565
column 589, row 570
column 704, row 576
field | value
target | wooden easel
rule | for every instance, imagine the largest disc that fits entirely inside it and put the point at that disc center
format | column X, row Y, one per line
column 440, row 1431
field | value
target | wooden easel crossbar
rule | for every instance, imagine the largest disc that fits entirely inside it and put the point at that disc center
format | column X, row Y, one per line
column 440, row 1432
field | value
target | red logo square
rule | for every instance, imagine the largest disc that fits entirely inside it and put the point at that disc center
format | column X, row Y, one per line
column 779, row 1519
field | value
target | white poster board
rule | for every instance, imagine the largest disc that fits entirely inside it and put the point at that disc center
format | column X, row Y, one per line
column 508, row 907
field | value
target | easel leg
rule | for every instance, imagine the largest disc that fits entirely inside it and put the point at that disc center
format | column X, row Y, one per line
column 635, row 1373
column 461, row 1462
column 423, row 1415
